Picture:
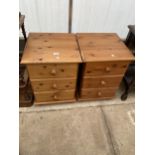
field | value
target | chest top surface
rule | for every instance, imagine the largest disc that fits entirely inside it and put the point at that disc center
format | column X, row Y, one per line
column 51, row 48
column 96, row 47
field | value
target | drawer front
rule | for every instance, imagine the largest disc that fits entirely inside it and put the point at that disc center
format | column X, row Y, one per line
column 52, row 70
column 53, row 84
column 101, row 82
column 54, row 96
column 97, row 93
column 105, row 68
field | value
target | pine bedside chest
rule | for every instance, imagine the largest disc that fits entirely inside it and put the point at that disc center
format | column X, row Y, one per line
column 105, row 60
column 52, row 61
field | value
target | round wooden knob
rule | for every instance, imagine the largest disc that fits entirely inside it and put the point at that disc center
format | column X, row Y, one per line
column 54, row 86
column 99, row 93
column 107, row 69
column 55, row 97
column 103, row 83
column 53, row 71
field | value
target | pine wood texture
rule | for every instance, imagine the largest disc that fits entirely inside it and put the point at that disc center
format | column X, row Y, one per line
column 52, row 61
column 97, row 47
column 60, row 95
column 55, row 102
column 106, row 59
column 105, row 68
column 97, row 93
column 51, row 48
column 52, row 70
column 101, row 81
column 53, row 84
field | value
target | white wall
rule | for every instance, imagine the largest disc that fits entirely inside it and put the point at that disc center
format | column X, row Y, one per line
column 103, row 16
column 45, row 15
column 88, row 15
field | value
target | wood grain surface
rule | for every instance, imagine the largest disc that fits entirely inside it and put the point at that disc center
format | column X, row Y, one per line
column 58, row 95
column 53, row 84
column 105, row 68
column 97, row 93
column 103, row 47
column 52, row 70
column 101, row 81
column 106, row 59
column 52, row 61
column 51, row 48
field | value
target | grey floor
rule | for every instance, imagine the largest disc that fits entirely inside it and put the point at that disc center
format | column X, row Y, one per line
column 83, row 128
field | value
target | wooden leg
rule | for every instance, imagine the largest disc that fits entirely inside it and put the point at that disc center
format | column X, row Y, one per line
column 128, row 86
column 125, row 93
column 23, row 31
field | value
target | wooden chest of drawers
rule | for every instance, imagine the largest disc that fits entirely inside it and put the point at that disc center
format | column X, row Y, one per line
column 105, row 60
column 52, row 61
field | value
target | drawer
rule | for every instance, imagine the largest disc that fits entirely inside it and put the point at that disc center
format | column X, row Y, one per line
column 52, row 70
column 97, row 93
column 105, row 68
column 101, row 82
column 54, row 96
column 53, row 84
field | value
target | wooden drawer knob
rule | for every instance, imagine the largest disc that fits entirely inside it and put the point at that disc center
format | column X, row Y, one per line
column 103, row 83
column 54, row 86
column 55, row 97
column 53, row 71
column 99, row 93
column 107, row 69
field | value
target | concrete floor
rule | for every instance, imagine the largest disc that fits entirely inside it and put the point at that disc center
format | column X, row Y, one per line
column 84, row 128
column 101, row 130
